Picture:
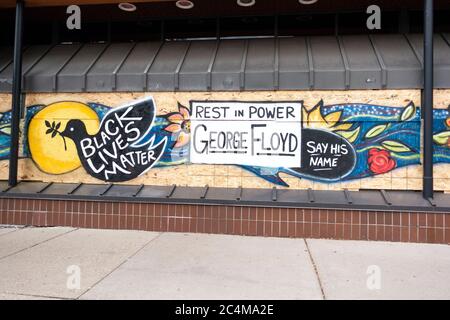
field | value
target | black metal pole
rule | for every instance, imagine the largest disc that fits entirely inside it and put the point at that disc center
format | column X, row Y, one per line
column 16, row 95
column 427, row 102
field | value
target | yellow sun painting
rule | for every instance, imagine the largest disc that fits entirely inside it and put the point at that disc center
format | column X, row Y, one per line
column 51, row 152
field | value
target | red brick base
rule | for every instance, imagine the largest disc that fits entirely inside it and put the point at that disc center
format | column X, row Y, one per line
column 237, row 220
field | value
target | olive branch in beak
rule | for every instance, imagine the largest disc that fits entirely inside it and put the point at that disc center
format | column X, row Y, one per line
column 53, row 129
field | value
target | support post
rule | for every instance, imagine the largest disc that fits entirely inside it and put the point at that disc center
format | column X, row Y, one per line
column 427, row 101
column 16, row 95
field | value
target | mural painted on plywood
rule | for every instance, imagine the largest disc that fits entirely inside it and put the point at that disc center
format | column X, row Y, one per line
column 327, row 143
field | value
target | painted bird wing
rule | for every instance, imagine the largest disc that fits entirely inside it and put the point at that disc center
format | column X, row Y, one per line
column 133, row 121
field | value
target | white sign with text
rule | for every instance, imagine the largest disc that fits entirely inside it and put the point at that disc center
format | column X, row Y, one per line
column 265, row 134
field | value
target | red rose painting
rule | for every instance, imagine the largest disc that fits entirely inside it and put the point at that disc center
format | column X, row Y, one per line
column 380, row 161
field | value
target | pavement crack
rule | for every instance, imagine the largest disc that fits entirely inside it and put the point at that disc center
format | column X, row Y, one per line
column 120, row 264
column 15, row 230
column 37, row 244
column 36, row 296
column 315, row 270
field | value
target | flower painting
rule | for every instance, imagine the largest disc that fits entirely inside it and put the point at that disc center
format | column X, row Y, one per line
column 179, row 125
column 380, row 161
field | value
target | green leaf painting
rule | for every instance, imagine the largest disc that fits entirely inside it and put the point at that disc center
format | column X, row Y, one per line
column 351, row 135
column 376, row 130
column 408, row 113
column 395, row 146
column 442, row 138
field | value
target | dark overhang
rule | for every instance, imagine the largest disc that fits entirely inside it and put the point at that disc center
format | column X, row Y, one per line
column 391, row 61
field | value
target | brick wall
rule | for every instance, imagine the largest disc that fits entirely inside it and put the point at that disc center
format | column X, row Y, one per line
column 237, row 220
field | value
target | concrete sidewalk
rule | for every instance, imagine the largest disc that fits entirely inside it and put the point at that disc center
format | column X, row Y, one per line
column 67, row 263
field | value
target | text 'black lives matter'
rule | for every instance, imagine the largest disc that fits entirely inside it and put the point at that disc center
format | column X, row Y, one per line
column 114, row 153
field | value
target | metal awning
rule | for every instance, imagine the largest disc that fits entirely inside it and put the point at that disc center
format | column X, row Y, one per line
column 377, row 200
column 295, row 63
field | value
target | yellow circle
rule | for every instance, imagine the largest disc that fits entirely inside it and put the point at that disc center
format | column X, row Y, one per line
column 47, row 148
